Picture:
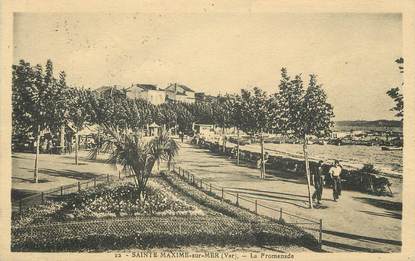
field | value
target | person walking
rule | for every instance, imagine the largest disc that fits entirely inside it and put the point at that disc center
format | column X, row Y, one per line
column 181, row 136
column 335, row 172
column 318, row 180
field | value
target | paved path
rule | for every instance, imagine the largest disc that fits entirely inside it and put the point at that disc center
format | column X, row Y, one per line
column 358, row 222
column 54, row 171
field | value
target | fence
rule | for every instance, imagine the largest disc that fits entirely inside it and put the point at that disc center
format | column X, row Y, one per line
column 314, row 227
column 21, row 205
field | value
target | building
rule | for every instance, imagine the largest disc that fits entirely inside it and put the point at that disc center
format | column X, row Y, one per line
column 147, row 92
column 179, row 92
column 202, row 97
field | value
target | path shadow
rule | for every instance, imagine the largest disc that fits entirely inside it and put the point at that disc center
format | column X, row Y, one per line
column 103, row 161
column 73, row 164
column 14, row 156
column 348, row 248
column 264, row 197
column 269, row 173
column 389, row 214
column 23, row 180
column 17, row 194
column 71, row 174
column 270, row 192
column 363, row 238
column 381, row 203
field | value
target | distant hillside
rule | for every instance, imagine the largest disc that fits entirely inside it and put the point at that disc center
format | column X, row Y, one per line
column 378, row 123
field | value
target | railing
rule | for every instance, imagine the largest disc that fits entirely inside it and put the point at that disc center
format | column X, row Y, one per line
column 314, row 227
column 19, row 206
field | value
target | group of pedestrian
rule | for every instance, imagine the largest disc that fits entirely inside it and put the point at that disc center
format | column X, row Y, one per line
column 318, row 180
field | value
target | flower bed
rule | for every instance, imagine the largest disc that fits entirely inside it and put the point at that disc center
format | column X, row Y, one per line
column 117, row 199
column 177, row 215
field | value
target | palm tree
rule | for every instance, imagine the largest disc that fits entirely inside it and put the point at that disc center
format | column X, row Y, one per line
column 137, row 156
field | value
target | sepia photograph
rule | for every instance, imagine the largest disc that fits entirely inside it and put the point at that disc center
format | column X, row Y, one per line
column 206, row 135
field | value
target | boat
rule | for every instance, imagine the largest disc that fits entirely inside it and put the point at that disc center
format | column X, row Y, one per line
column 391, row 148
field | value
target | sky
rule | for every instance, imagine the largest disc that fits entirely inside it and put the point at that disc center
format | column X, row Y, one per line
column 217, row 53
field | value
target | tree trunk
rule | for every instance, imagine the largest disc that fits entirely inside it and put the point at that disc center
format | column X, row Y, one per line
column 307, row 169
column 224, row 140
column 76, row 147
column 98, row 142
column 262, row 158
column 36, row 178
column 62, row 142
column 237, row 146
column 169, row 163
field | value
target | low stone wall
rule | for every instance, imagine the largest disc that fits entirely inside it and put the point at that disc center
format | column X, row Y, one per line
column 352, row 179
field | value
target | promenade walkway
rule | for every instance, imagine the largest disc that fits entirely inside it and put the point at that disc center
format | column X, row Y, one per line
column 54, row 171
column 357, row 222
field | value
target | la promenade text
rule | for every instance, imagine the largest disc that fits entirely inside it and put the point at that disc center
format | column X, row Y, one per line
column 213, row 255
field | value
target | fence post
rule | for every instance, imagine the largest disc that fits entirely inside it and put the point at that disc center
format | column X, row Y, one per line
column 237, row 199
column 119, row 174
column 320, row 236
column 179, row 171
column 79, row 186
column 210, row 187
column 188, row 175
column 61, row 190
column 108, row 178
column 222, row 193
column 201, row 184
column 95, row 182
column 280, row 214
column 43, row 197
column 256, row 206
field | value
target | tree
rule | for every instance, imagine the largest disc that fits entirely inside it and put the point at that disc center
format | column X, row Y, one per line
column 395, row 93
column 222, row 115
column 234, row 107
column 255, row 116
column 136, row 156
column 33, row 93
column 304, row 113
column 184, row 118
column 79, row 112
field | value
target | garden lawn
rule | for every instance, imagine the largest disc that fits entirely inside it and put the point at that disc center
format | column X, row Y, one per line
column 109, row 217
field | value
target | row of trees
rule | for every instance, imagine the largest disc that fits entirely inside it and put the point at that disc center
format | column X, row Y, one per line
column 42, row 102
column 292, row 109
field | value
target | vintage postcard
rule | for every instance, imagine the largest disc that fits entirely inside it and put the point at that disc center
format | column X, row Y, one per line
column 207, row 130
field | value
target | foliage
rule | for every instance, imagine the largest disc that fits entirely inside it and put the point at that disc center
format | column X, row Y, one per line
column 255, row 116
column 33, row 98
column 396, row 92
column 136, row 155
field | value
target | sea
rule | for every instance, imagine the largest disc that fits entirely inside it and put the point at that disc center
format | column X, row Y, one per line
column 389, row 162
